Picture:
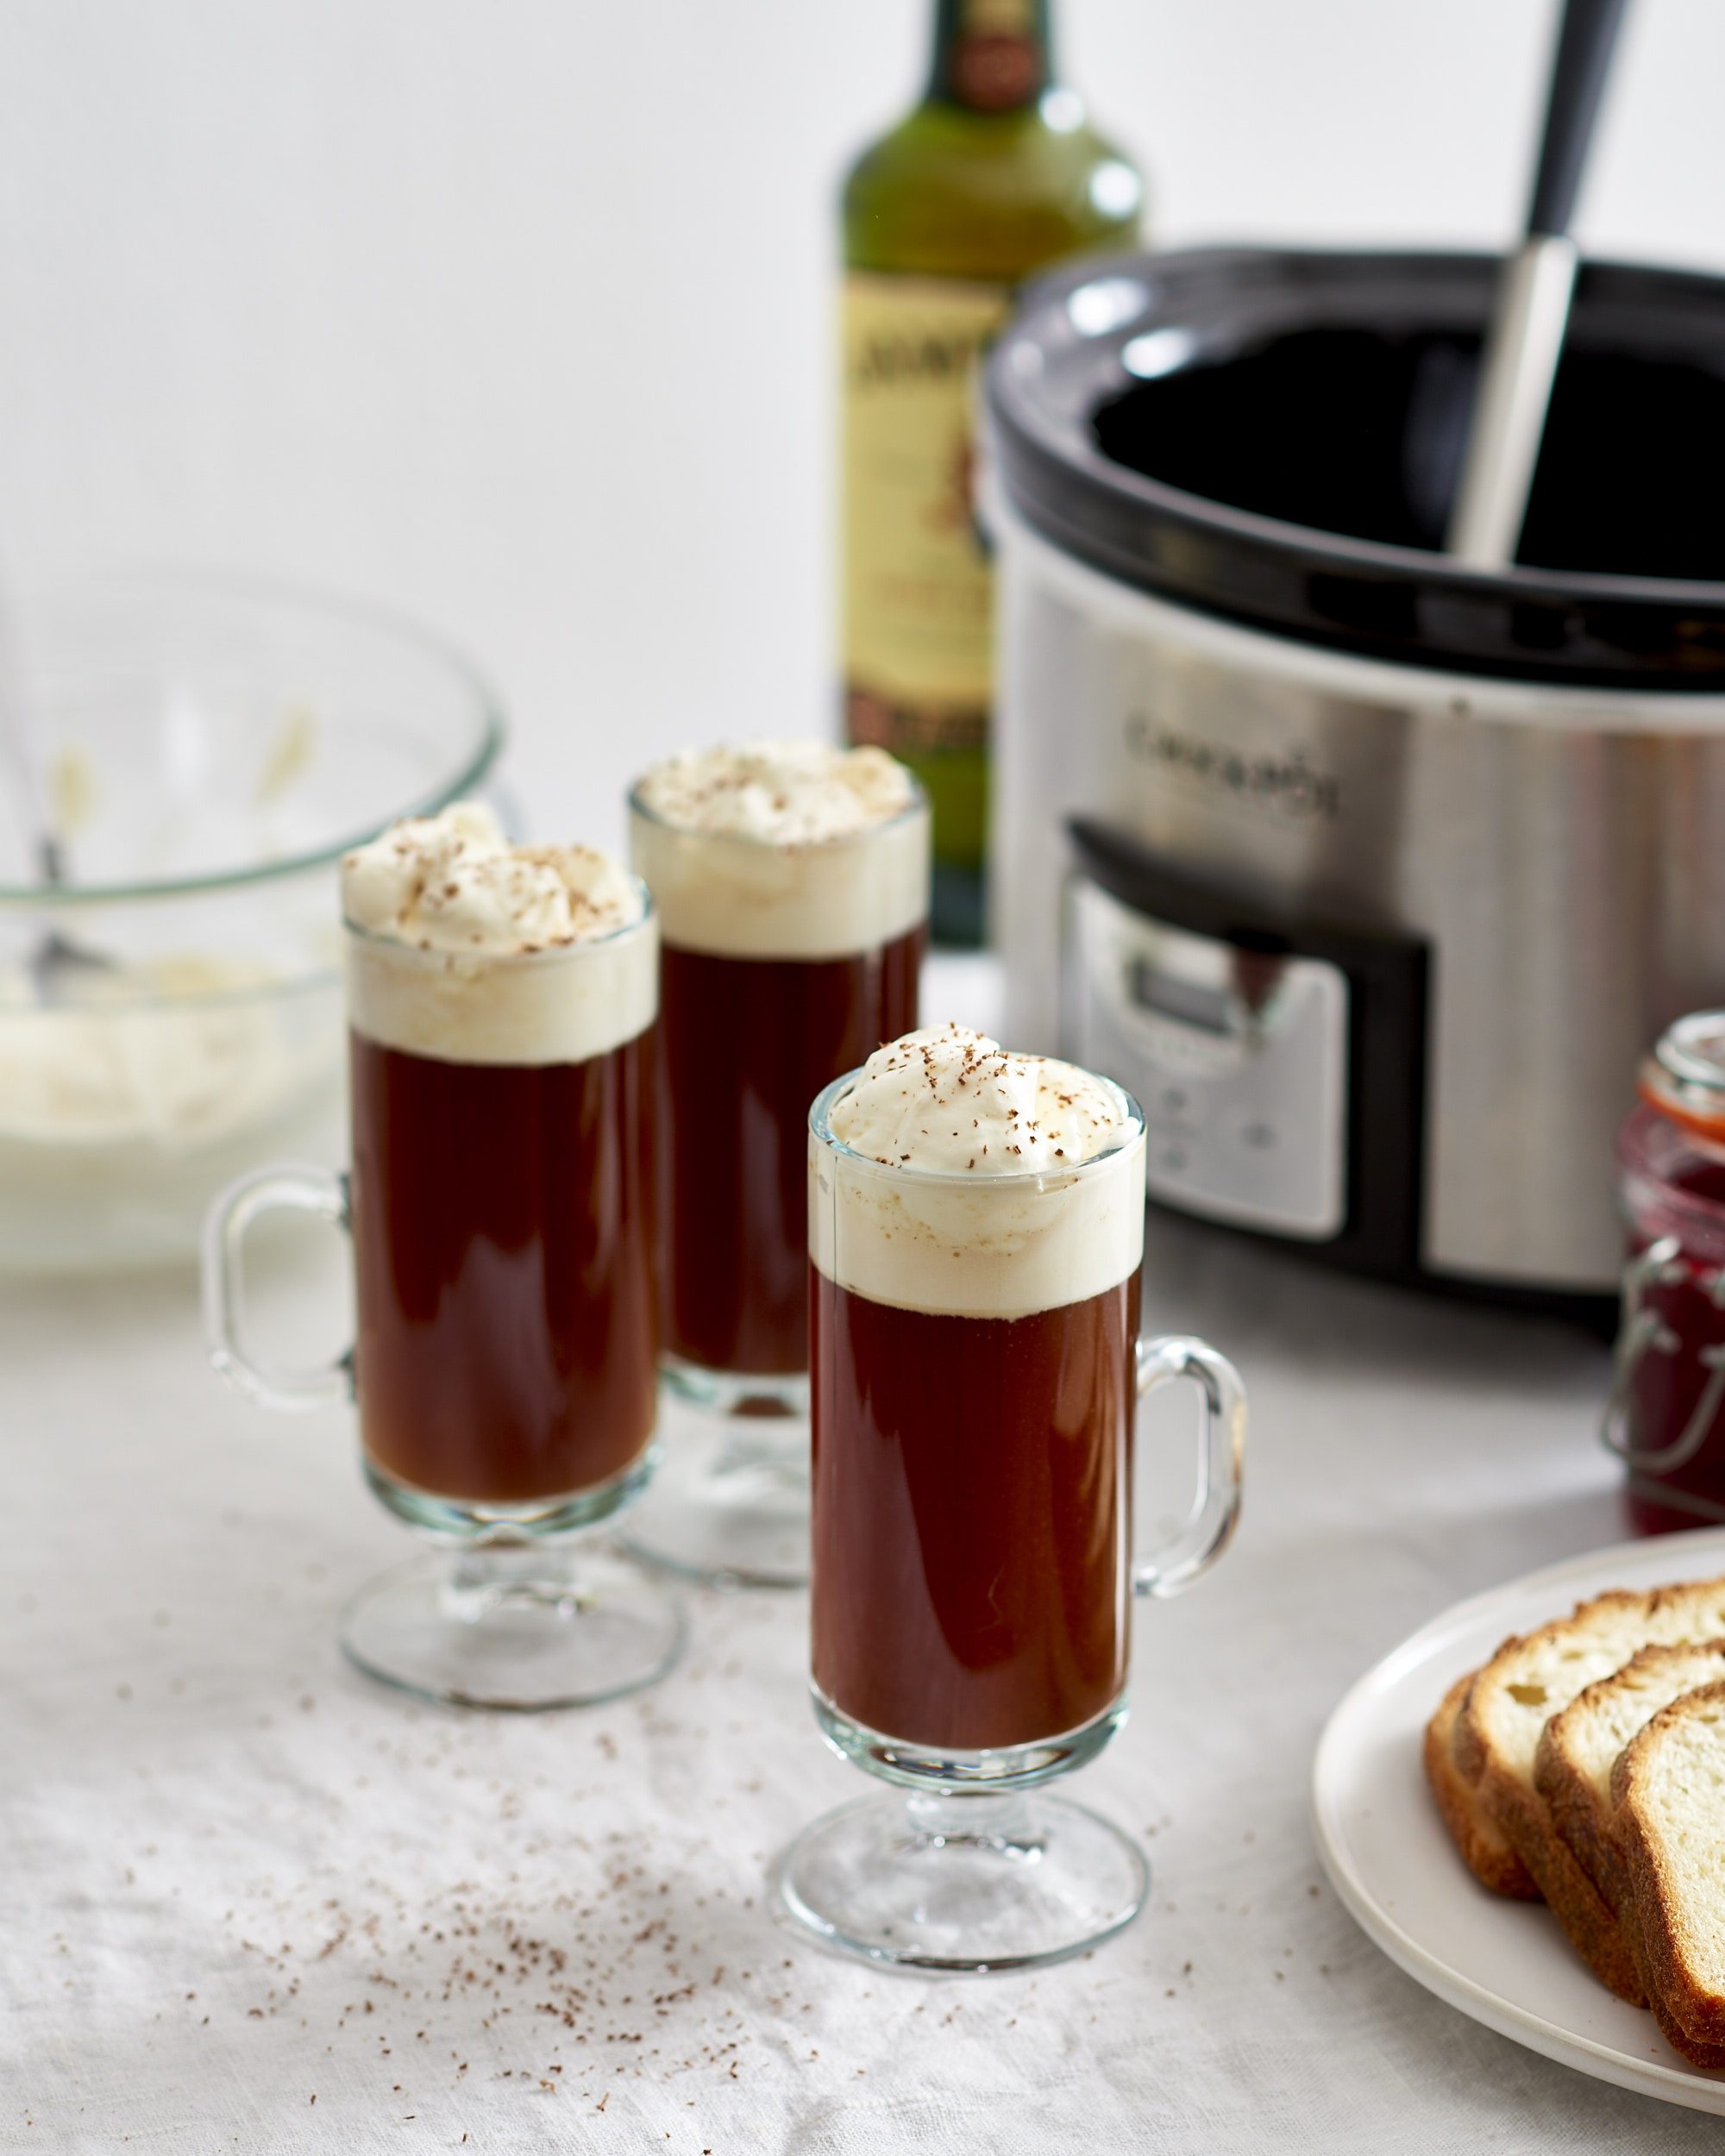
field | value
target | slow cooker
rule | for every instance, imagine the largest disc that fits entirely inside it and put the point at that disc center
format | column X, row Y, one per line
column 1370, row 874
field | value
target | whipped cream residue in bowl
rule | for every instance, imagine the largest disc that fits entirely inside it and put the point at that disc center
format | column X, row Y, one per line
column 208, row 750
column 971, row 1180
column 783, row 849
column 466, row 949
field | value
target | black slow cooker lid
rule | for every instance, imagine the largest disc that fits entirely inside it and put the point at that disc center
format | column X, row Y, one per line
column 1275, row 437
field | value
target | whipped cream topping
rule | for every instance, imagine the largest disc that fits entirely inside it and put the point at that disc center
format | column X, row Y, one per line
column 783, row 849
column 467, row 950
column 780, row 792
column 453, row 882
column 947, row 1100
column 972, row 1182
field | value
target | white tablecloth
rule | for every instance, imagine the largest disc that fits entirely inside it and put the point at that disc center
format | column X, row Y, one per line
column 250, row 1899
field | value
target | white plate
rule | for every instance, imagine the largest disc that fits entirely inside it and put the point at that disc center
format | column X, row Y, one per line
column 1390, row 1860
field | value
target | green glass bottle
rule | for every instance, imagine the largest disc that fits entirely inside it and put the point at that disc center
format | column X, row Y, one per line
column 993, row 175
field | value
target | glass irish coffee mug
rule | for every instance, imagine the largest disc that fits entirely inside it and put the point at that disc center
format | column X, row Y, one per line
column 976, row 1368
column 789, row 955
column 501, row 1211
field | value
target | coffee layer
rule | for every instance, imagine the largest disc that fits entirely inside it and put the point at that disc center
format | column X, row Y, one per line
column 744, row 1045
column 968, row 1499
column 503, row 1249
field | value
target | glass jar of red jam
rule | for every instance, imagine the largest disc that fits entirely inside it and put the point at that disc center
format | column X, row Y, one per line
column 1666, row 1414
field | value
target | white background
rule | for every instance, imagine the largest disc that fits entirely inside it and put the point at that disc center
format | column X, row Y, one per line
column 516, row 316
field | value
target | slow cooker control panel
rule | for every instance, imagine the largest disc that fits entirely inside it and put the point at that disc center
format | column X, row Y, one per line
column 1238, row 1059
column 1280, row 1062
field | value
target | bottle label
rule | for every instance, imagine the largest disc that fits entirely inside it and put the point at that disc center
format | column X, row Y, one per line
column 917, row 591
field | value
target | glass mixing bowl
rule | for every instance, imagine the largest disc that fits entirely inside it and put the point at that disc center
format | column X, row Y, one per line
column 171, row 1012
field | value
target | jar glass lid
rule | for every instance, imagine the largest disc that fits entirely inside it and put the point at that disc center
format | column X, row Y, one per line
column 1685, row 1076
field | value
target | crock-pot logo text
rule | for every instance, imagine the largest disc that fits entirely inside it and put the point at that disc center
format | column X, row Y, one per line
column 1287, row 785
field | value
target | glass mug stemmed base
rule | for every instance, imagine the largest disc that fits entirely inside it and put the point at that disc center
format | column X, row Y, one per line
column 971, row 1883
column 729, row 1503
column 522, row 1606
column 970, row 1865
column 520, row 1625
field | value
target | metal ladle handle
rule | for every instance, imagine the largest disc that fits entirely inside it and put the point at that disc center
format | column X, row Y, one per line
column 1530, row 313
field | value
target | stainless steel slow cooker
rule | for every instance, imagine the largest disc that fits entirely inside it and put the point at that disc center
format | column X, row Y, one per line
column 1371, row 875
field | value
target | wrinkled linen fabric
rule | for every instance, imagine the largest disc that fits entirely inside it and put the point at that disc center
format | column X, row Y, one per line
column 250, row 1899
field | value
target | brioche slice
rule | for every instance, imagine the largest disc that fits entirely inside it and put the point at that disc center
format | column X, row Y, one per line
column 1497, row 1734
column 1578, row 1747
column 1485, row 1849
column 1669, row 1826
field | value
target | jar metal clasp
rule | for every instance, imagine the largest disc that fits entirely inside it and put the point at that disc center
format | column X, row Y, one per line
column 1644, row 1330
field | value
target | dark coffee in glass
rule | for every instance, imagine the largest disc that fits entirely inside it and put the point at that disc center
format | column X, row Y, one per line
column 507, row 1327
column 791, row 880
column 744, row 1046
column 970, row 1507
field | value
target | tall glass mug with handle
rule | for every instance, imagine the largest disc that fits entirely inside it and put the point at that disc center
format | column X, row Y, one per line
column 975, row 1237
column 791, row 880
column 501, row 1003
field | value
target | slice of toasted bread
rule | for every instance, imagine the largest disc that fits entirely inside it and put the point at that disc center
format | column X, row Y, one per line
column 1578, row 1747
column 1485, row 1848
column 1497, row 1734
column 1674, row 2033
column 1669, row 1826
column 1677, row 2036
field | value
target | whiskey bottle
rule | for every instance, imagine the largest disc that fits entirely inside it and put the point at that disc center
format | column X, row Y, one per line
column 993, row 175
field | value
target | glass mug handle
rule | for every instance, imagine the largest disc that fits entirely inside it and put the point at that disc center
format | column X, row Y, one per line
column 1215, row 1512
column 315, row 1190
